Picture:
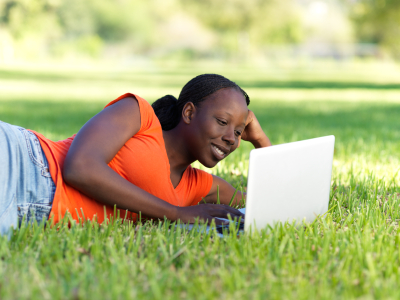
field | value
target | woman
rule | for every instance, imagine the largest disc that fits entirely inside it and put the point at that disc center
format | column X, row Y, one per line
column 133, row 156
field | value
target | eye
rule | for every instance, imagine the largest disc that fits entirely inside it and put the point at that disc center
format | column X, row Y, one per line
column 221, row 122
column 238, row 133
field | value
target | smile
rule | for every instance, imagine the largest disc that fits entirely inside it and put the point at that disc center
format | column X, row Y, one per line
column 219, row 153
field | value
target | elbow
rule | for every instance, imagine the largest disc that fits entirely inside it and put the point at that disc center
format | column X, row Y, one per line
column 74, row 172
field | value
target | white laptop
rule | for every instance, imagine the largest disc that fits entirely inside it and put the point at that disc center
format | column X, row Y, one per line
column 289, row 182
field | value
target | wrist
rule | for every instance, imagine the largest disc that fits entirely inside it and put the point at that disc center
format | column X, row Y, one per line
column 175, row 213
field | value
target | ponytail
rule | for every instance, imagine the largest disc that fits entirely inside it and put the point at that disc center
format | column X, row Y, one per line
column 168, row 109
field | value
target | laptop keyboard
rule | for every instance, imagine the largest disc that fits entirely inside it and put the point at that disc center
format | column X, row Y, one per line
column 226, row 228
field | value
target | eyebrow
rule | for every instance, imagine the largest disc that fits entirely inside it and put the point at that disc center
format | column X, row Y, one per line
column 244, row 123
column 228, row 113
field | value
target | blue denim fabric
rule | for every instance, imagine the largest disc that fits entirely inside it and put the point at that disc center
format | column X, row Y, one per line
column 26, row 187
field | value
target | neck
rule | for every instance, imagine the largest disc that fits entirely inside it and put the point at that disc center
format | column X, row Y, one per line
column 177, row 152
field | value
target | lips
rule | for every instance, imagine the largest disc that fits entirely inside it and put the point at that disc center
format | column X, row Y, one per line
column 219, row 152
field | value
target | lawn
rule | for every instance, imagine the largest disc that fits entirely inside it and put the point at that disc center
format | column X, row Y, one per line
column 352, row 253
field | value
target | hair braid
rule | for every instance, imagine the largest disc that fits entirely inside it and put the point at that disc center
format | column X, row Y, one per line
column 169, row 109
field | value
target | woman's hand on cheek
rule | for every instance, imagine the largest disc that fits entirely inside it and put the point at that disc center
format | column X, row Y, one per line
column 253, row 132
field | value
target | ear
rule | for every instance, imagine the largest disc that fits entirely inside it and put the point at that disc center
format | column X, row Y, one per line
column 188, row 112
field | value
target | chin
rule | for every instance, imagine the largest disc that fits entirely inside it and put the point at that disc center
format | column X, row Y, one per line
column 209, row 164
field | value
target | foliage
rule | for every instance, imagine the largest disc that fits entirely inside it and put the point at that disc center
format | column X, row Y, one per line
column 192, row 28
column 59, row 26
column 378, row 22
column 262, row 21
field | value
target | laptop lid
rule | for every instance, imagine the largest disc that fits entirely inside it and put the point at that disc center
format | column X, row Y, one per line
column 289, row 182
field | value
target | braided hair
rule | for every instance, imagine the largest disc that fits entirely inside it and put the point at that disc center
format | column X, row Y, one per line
column 169, row 109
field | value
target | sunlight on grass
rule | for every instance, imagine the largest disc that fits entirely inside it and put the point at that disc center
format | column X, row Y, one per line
column 351, row 253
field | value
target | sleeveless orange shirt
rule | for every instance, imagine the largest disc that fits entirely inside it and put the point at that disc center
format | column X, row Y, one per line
column 142, row 161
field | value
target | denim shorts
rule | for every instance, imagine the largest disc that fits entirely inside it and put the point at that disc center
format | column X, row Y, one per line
column 26, row 187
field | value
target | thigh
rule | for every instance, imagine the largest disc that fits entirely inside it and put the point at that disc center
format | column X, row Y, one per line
column 9, row 175
column 26, row 187
column 35, row 190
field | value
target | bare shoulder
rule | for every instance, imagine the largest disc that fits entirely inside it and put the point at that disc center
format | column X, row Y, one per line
column 115, row 124
column 128, row 105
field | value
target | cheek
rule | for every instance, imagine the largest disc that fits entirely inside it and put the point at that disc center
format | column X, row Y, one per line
column 235, row 146
column 209, row 130
column 201, row 137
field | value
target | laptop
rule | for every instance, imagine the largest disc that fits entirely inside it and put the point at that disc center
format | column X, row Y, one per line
column 287, row 183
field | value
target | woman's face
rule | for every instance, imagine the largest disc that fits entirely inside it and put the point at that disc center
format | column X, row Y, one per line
column 216, row 125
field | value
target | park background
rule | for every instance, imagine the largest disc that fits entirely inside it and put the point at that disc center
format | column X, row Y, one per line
column 311, row 68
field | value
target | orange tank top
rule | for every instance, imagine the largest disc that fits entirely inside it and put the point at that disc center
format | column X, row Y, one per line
column 142, row 160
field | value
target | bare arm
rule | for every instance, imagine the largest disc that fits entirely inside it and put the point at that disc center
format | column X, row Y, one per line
column 253, row 132
column 86, row 167
column 226, row 192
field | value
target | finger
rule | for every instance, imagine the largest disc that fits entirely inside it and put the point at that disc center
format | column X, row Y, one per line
column 222, row 211
column 233, row 211
column 209, row 220
column 236, row 218
column 249, row 117
column 220, row 222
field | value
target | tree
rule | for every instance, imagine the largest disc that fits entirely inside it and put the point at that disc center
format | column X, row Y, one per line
column 378, row 21
column 263, row 21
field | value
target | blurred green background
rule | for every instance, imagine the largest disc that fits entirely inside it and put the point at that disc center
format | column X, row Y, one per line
column 311, row 67
column 190, row 29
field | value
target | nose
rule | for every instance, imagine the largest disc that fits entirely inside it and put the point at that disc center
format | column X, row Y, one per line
column 229, row 137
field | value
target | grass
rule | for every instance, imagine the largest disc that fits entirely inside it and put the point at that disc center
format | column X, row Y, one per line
column 352, row 253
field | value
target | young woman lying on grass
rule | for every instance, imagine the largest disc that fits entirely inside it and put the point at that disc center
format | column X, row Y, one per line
column 132, row 155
